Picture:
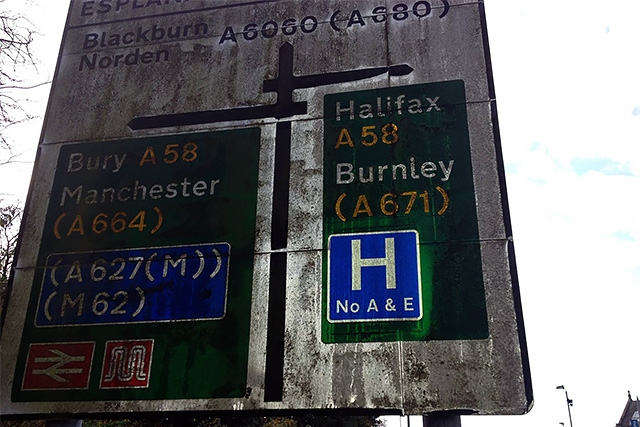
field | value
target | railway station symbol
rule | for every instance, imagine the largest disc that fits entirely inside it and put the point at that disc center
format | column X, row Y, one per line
column 58, row 366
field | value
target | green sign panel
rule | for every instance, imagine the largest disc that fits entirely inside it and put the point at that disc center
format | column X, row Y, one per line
column 401, row 248
column 143, row 289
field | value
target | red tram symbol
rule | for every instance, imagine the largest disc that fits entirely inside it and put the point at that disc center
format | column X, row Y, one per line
column 127, row 364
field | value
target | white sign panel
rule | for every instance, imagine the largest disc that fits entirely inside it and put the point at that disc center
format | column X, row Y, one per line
column 268, row 205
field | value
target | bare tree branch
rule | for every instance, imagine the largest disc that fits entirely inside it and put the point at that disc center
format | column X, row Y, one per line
column 16, row 55
column 10, row 216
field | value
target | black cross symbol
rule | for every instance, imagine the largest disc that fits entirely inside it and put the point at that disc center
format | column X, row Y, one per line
column 285, row 107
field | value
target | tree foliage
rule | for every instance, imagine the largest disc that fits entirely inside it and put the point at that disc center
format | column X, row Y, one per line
column 16, row 38
column 294, row 421
column 10, row 216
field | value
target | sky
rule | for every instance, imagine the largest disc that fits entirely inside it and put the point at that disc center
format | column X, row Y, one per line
column 567, row 77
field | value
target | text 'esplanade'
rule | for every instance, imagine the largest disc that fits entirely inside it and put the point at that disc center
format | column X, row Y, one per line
column 101, row 7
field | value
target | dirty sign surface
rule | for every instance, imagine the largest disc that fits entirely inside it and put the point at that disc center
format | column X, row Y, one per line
column 306, row 196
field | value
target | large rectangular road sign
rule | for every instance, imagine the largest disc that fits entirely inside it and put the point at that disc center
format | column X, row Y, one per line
column 266, row 206
column 399, row 158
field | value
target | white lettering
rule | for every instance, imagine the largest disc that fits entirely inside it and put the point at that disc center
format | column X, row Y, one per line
column 341, row 171
column 447, row 172
column 408, row 304
column 386, row 107
column 349, row 110
column 345, row 172
column 358, row 263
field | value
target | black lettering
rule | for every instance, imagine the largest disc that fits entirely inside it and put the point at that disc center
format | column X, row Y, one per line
column 147, row 57
column 132, row 58
column 116, row 60
column 401, row 12
column 228, row 35
column 379, row 14
column 106, row 61
column 87, row 8
column 91, row 7
column 289, row 27
column 104, row 6
column 141, row 36
column 90, row 41
column 421, row 14
column 176, row 33
column 163, row 55
column 128, row 38
column 355, row 18
column 268, row 33
column 303, row 24
column 332, row 21
column 157, row 33
column 114, row 40
column 250, row 32
column 91, row 64
column 445, row 10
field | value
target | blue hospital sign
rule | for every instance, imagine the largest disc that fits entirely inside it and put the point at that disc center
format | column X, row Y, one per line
column 374, row 276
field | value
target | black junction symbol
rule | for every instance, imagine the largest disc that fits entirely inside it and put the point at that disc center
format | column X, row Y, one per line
column 285, row 107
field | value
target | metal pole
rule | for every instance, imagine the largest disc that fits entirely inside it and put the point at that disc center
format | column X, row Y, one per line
column 569, row 403
column 64, row 423
column 441, row 420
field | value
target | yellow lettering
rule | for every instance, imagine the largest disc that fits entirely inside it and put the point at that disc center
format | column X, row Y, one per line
column 362, row 206
column 344, row 139
column 77, row 226
column 148, row 156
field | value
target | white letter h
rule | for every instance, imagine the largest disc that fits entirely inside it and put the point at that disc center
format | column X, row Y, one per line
column 357, row 263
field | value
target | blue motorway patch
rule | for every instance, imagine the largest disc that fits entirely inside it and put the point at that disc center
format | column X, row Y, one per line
column 135, row 285
column 374, row 277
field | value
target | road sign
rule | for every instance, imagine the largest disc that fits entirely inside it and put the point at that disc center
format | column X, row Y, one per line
column 58, row 366
column 374, row 277
column 267, row 205
column 194, row 278
column 127, row 364
column 400, row 158
column 150, row 238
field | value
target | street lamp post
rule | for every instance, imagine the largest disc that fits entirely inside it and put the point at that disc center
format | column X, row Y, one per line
column 569, row 402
